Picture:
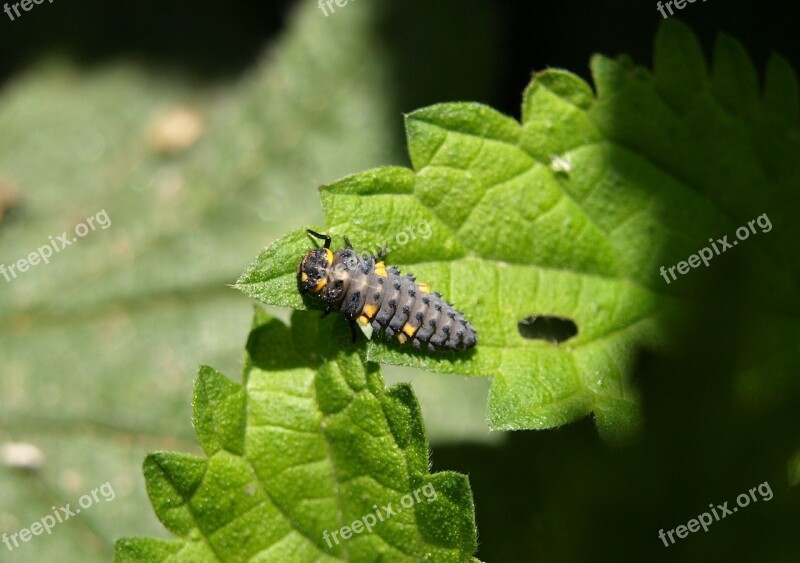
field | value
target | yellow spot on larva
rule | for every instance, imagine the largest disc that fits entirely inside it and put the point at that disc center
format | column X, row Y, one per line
column 304, row 277
column 329, row 255
column 364, row 320
column 320, row 284
column 410, row 330
column 369, row 311
column 401, row 338
column 380, row 269
column 424, row 287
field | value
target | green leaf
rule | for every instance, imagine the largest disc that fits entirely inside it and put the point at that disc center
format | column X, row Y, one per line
column 219, row 413
column 135, row 550
column 310, row 443
column 572, row 213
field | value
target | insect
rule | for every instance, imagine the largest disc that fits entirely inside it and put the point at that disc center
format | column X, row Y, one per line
column 369, row 292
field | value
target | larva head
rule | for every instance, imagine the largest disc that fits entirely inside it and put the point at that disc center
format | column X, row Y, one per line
column 312, row 275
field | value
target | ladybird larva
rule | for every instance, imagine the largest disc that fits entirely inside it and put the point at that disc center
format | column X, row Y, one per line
column 366, row 291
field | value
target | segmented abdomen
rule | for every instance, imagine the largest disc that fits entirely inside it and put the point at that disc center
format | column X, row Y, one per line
column 395, row 304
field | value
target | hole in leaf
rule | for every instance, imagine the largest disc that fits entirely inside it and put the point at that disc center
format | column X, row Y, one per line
column 551, row 329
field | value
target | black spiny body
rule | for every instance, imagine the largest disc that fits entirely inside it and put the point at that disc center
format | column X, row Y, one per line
column 366, row 291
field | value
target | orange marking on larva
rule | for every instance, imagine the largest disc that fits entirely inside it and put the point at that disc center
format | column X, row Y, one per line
column 424, row 287
column 410, row 330
column 401, row 338
column 320, row 284
column 380, row 269
column 369, row 311
column 364, row 320
column 329, row 255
